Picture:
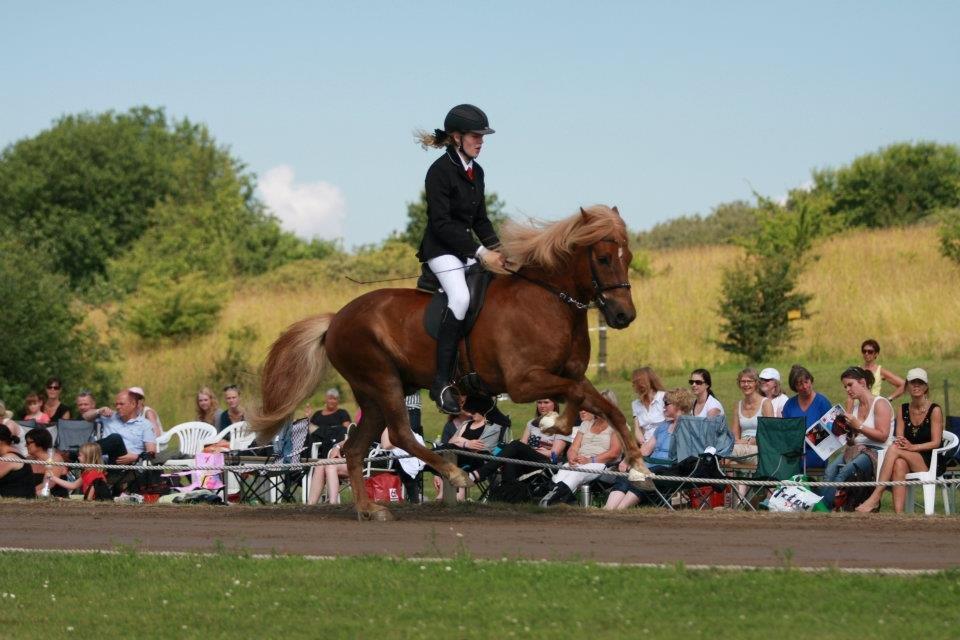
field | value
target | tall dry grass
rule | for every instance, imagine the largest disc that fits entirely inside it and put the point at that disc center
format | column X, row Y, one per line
column 891, row 285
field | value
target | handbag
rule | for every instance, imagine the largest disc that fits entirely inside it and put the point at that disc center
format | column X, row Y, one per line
column 384, row 487
column 794, row 498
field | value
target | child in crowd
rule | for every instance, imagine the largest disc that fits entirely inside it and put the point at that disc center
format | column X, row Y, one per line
column 33, row 409
column 92, row 482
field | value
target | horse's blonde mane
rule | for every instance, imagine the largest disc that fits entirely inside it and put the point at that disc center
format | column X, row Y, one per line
column 550, row 244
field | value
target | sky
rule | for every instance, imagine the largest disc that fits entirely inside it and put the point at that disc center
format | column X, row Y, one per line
column 663, row 109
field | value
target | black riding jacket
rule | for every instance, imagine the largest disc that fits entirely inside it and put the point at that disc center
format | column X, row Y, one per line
column 456, row 209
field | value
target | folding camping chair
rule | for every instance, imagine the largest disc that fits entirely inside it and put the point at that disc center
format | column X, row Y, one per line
column 72, row 434
column 700, row 443
column 780, row 453
column 271, row 486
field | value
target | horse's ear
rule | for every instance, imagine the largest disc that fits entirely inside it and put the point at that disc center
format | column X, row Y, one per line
column 616, row 211
column 584, row 215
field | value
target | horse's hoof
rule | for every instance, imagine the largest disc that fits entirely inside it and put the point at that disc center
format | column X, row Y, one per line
column 376, row 515
column 559, row 428
column 641, row 478
column 459, row 479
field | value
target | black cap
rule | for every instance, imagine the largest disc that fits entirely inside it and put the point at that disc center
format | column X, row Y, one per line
column 467, row 118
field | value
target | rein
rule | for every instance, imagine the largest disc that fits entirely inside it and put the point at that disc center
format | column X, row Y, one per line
column 598, row 288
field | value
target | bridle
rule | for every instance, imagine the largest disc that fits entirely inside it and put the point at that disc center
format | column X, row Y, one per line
column 599, row 288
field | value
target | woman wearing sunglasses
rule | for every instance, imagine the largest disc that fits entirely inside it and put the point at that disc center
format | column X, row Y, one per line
column 706, row 405
column 51, row 402
column 870, row 349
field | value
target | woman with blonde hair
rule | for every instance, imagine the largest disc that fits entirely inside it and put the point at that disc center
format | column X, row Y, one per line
column 207, row 406
column 647, row 407
column 656, row 450
column 456, row 211
column 743, row 421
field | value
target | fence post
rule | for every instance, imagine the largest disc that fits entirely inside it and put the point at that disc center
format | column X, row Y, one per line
column 449, row 491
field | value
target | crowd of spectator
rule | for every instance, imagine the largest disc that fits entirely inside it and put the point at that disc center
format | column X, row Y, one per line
column 125, row 433
column 904, row 437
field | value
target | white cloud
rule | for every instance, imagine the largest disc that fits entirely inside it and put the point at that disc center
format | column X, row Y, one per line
column 312, row 209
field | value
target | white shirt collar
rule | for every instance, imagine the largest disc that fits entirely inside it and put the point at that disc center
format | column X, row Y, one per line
column 466, row 165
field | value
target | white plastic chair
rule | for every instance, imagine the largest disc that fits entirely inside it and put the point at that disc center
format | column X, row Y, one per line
column 239, row 434
column 193, row 436
column 950, row 441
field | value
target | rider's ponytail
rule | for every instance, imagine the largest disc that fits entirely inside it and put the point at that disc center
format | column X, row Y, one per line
column 439, row 139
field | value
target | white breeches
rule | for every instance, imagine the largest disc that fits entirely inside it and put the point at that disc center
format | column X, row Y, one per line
column 450, row 271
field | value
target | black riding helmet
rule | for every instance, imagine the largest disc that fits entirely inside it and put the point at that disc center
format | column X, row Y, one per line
column 466, row 118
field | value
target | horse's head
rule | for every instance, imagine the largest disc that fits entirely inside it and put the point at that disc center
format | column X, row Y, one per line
column 590, row 248
column 609, row 264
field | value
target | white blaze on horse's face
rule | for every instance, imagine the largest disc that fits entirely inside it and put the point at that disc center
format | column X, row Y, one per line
column 620, row 252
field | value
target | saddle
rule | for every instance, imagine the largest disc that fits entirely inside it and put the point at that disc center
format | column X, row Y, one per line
column 478, row 279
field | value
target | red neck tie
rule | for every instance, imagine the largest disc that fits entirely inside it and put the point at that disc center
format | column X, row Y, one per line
column 470, row 172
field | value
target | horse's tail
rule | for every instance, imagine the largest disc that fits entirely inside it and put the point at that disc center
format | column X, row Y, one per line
column 291, row 373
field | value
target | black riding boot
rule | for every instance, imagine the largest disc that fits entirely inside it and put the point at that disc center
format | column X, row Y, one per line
column 448, row 338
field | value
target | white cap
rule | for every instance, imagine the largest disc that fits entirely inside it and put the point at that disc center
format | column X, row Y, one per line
column 138, row 391
column 770, row 374
column 918, row 374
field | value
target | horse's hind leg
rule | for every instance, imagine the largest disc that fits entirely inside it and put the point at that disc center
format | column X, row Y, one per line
column 398, row 422
column 356, row 449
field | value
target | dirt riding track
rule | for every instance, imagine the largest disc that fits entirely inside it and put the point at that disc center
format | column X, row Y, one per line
column 715, row 538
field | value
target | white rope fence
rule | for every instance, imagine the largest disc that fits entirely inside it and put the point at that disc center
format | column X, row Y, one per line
column 280, row 467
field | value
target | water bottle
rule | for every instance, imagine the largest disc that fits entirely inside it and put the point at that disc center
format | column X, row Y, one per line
column 45, row 491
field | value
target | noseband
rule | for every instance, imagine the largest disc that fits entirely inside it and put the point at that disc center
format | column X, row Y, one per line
column 598, row 287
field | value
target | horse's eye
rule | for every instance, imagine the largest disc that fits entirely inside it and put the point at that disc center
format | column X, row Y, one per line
column 604, row 260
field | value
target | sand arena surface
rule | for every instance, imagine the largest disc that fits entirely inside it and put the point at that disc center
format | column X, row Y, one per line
column 635, row 536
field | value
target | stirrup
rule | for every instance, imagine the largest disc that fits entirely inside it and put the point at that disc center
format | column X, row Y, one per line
column 448, row 400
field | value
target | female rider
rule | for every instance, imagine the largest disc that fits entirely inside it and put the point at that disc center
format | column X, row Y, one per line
column 456, row 210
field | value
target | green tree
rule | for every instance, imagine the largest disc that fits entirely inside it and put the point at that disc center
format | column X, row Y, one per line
column 43, row 332
column 726, row 223
column 234, row 367
column 897, row 185
column 759, row 294
column 950, row 234
column 93, row 185
column 758, row 298
column 417, row 217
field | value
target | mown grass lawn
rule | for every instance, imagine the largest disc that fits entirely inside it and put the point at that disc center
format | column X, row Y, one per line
column 134, row 595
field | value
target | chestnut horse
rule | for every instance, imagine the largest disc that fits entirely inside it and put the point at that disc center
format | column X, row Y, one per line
column 530, row 341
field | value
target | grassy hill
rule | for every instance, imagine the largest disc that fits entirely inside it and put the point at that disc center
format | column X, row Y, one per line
column 892, row 285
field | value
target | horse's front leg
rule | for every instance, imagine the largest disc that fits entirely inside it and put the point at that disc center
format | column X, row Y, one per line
column 579, row 394
column 538, row 383
column 597, row 404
